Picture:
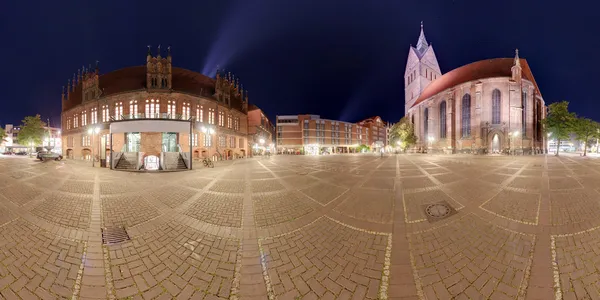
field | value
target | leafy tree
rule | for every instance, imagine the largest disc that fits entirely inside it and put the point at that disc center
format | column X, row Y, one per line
column 3, row 135
column 404, row 133
column 559, row 122
column 32, row 131
column 363, row 147
column 586, row 130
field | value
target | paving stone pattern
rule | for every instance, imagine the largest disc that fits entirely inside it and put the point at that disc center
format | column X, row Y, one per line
column 304, row 227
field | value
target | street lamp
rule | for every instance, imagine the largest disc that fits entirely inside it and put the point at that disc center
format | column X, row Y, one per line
column 430, row 141
column 91, row 132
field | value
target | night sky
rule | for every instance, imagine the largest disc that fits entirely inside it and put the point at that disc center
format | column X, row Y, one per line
column 340, row 59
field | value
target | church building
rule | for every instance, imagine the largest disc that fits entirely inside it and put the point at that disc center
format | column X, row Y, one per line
column 486, row 107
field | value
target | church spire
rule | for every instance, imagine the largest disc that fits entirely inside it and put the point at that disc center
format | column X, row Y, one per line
column 517, row 59
column 422, row 42
column 516, row 68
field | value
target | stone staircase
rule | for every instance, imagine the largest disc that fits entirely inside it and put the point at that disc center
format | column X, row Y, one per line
column 181, row 164
column 128, row 161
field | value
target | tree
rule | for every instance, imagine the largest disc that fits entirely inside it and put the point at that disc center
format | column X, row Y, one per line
column 362, row 148
column 403, row 134
column 3, row 135
column 559, row 122
column 586, row 130
column 32, row 131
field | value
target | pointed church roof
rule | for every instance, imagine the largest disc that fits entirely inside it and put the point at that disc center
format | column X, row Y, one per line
column 489, row 68
column 422, row 44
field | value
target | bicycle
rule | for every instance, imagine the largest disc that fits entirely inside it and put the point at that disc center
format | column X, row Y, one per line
column 208, row 163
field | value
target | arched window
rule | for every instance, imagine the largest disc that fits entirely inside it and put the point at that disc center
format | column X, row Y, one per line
column 425, row 123
column 466, row 115
column 524, row 113
column 496, row 106
column 443, row 120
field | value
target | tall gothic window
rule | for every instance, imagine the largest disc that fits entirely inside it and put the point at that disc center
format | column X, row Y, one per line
column 171, row 109
column 133, row 109
column 466, row 115
column 443, row 120
column 425, row 123
column 524, row 113
column 199, row 113
column 152, row 108
column 118, row 110
column 185, row 111
column 94, row 115
column 211, row 116
column 105, row 113
column 496, row 104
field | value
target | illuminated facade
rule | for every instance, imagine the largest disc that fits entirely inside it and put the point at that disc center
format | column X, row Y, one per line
column 312, row 135
column 261, row 131
column 152, row 116
column 489, row 106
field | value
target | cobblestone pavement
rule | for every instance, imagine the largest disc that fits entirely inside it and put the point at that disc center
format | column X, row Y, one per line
column 303, row 227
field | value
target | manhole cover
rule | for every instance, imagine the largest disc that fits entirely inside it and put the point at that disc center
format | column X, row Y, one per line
column 114, row 235
column 438, row 211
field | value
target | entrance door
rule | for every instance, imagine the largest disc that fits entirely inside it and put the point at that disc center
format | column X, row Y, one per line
column 169, row 141
column 151, row 162
column 133, row 142
column 495, row 144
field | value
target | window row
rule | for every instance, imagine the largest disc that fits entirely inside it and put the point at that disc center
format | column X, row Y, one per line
column 466, row 114
column 152, row 109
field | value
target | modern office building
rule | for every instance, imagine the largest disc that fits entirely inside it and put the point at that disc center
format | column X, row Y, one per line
column 309, row 134
column 153, row 116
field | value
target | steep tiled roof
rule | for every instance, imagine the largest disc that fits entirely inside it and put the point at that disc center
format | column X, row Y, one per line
column 497, row 67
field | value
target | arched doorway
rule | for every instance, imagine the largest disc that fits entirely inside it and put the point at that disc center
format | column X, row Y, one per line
column 196, row 154
column 70, row 153
column 204, row 154
column 228, row 155
column 495, row 144
column 151, row 162
column 86, row 154
column 243, row 153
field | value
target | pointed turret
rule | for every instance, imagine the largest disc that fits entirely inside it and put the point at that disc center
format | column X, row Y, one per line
column 74, row 79
column 422, row 42
column 68, row 87
column 169, row 53
column 148, row 54
column 97, row 67
column 516, row 68
column 158, row 55
column 63, row 93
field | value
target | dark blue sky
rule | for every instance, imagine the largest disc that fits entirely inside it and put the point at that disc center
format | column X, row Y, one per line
column 340, row 59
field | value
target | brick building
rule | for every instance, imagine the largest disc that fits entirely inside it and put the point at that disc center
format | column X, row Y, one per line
column 379, row 137
column 489, row 106
column 151, row 114
column 312, row 135
column 260, row 128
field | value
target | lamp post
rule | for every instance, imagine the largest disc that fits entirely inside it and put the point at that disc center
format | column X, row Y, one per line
column 91, row 132
column 262, row 142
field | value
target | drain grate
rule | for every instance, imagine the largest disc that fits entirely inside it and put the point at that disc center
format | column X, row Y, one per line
column 114, row 235
column 438, row 211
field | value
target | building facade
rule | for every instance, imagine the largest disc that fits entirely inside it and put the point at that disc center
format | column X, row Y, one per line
column 152, row 112
column 261, row 131
column 489, row 106
column 379, row 137
column 312, row 135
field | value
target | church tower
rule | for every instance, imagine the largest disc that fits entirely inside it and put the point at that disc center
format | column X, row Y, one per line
column 421, row 69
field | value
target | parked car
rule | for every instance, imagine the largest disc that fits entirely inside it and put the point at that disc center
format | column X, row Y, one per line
column 44, row 156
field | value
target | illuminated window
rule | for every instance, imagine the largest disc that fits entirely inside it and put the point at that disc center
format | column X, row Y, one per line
column 85, row 140
column 75, row 121
column 221, row 119
column 118, row 110
column 524, row 113
column 133, row 109
column 152, row 108
column 229, row 121
column 68, row 123
column 94, row 116
column 222, row 141
column 195, row 140
column 200, row 113
column 105, row 113
column 83, row 118
column 211, row 116
column 185, row 111
column 171, row 109
column 207, row 140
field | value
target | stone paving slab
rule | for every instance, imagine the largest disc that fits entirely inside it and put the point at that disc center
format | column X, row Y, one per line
column 304, row 227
